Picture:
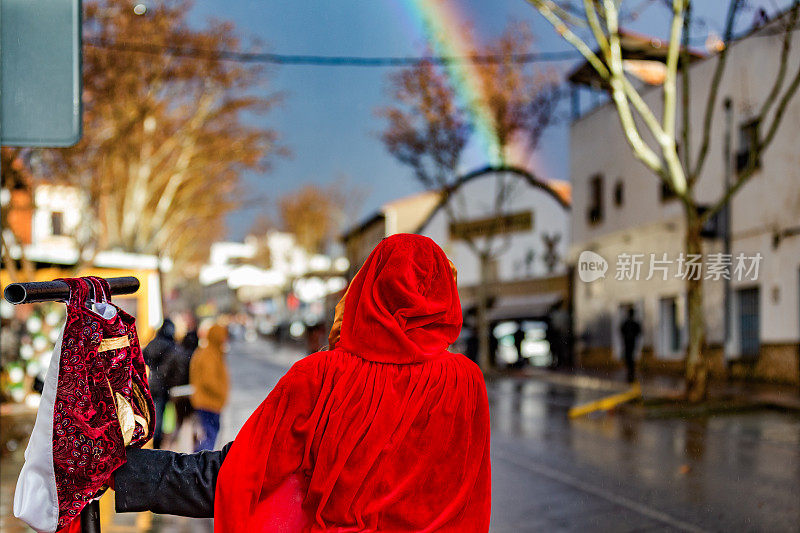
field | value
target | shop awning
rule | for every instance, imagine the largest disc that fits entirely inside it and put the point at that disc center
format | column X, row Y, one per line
column 531, row 306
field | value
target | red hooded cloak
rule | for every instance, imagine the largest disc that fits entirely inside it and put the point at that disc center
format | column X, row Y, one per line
column 387, row 431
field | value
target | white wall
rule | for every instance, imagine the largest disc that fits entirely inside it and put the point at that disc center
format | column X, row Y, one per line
column 475, row 200
column 770, row 202
column 68, row 201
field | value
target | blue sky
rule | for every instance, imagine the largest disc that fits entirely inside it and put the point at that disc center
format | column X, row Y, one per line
column 327, row 118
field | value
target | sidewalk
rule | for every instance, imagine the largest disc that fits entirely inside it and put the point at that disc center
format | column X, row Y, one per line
column 657, row 387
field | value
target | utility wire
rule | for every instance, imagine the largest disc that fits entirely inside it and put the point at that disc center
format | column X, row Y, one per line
column 326, row 61
column 360, row 61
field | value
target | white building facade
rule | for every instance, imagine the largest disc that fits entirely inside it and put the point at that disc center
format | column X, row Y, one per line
column 533, row 241
column 619, row 208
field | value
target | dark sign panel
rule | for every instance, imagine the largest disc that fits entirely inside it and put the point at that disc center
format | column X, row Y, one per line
column 40, row 55
column 486, row 227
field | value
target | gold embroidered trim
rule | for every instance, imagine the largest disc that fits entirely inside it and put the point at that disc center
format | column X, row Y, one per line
column 141, row 421
column 127, row 420
column 139, row 400
column 114, row 343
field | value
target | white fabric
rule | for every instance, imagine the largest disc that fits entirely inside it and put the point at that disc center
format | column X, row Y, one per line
column 36, row 498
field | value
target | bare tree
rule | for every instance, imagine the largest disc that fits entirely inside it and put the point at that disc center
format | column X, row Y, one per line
column 314, row 213
column 165, row 136
column 678, row 171
column 427, row 130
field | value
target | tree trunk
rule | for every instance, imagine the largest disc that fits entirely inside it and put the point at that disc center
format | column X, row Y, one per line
column 696, row 358
column 481, row 319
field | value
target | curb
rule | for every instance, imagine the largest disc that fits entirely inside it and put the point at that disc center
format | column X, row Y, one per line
column 655, row 393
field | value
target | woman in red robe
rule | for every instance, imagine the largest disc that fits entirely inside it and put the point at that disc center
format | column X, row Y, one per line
column 384, row 431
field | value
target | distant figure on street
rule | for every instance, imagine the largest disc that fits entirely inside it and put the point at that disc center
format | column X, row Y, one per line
column 208, row 374
column 183, row 404
column 160, row 355
column 557, row 334
column 630, row 331
column 519, row 336
column 315, row 335
column 494, row 344
column 386, row 431
column 554, row 339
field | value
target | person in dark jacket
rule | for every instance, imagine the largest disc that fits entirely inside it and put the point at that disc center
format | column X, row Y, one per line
column 160, row 355
column 183, row 405
column 519, row 337
column 630, row 331
column 166, row 482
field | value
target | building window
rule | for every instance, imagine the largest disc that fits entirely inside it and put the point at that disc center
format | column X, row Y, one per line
column 594, row 213
column 748, row 138
column 666, row 192
column 670, row 330
column 619, row 193
column 749, row 322
column 57, row 223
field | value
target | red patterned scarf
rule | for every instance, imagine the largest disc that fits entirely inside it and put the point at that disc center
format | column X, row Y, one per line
column 96, row 401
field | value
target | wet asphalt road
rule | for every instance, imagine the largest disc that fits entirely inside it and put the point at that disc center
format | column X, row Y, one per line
column 737, row 472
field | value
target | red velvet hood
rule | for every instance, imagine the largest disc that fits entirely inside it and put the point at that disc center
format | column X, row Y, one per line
column 402, row 307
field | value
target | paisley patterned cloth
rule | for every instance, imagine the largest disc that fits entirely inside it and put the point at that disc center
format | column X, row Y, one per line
column 99, row 402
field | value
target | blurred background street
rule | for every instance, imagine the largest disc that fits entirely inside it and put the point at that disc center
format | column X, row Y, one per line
column 616, row 183
column 736, row 472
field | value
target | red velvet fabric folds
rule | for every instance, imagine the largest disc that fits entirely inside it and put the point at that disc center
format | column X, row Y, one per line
column 388, row 431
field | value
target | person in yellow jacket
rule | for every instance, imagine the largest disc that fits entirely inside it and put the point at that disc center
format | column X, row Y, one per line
column 208, row 374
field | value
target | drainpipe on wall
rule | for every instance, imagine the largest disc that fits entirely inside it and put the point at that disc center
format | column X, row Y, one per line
column 727, row 155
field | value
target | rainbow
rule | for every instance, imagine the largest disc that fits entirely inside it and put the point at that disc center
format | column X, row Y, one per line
column 444, row 27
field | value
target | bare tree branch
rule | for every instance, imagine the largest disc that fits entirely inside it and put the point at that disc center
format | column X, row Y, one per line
column 713, row 89
column 685, row 90
column 783, row 63
column 164, row 133
column 548, row 9
column 620, row 94
column 669, row 87
column 763, row 142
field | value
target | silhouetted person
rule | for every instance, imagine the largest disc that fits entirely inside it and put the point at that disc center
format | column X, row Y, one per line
column 557, row 335
column 160, row 356
column 314, row 338
column 630, row 331
column 471, row 350
column 553, row 337
column 519, row 336
column 494, row 344
column 183, row 405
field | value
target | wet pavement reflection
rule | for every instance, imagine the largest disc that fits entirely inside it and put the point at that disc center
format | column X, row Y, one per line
column 611, row 472
column 618, row 472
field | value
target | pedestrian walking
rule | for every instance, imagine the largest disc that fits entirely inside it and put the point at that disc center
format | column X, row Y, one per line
column 208, row 375
column 630, row 331
column 183, row 403
column 160, row 354
column 384, row 431
column 519, row 337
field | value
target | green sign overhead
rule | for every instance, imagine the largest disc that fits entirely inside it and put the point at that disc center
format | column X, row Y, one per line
column 40, row 65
